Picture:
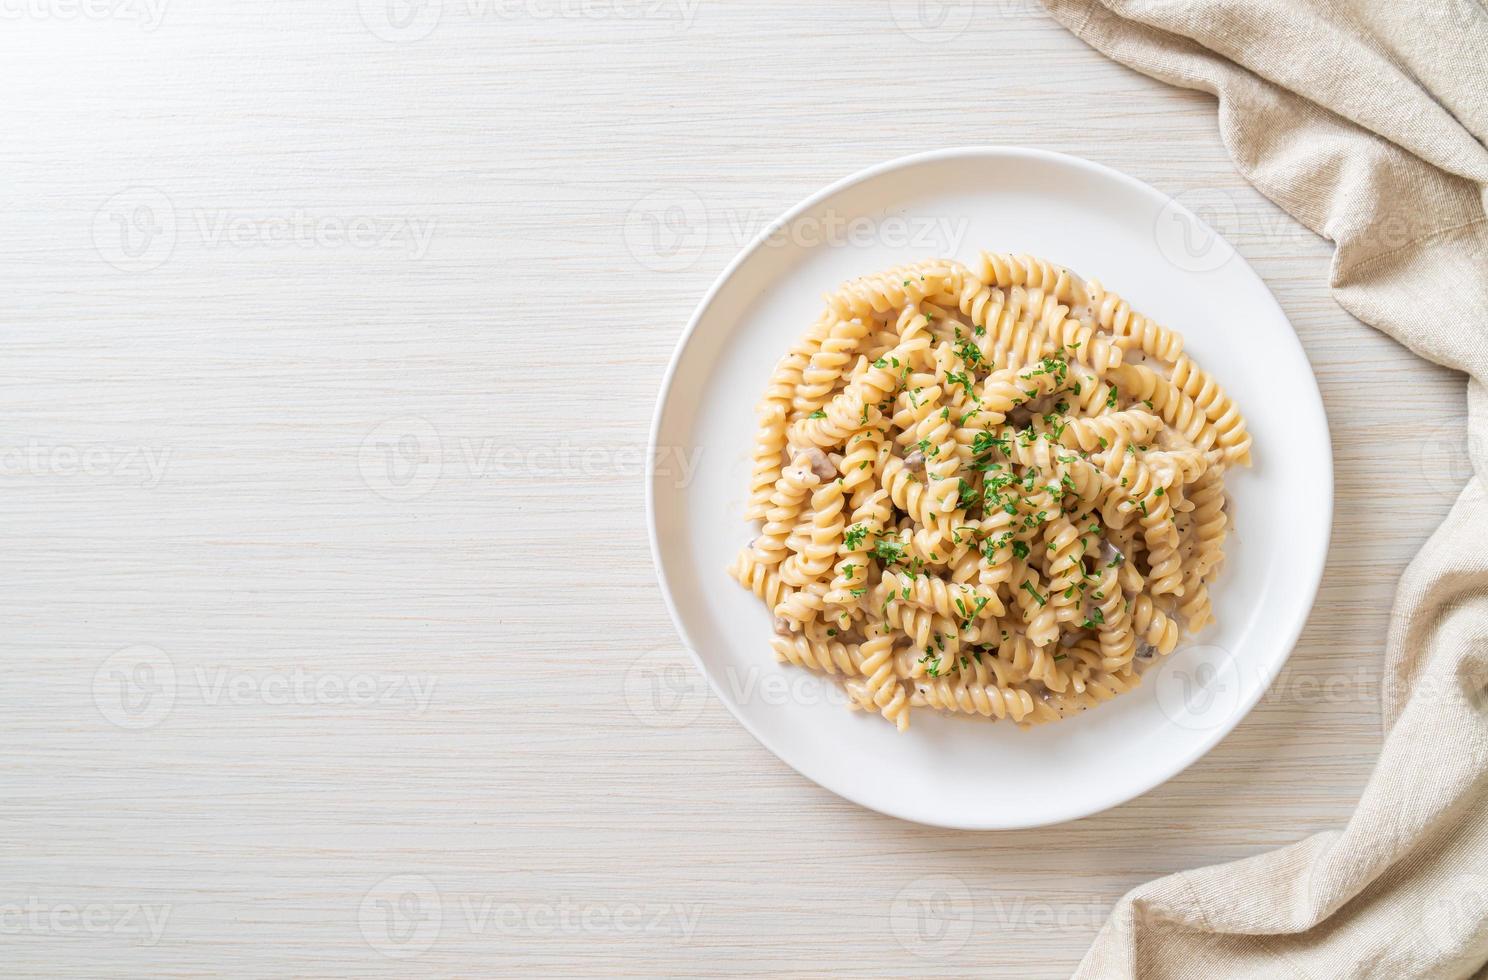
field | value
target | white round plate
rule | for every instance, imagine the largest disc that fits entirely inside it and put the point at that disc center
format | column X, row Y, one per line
column 969, row 773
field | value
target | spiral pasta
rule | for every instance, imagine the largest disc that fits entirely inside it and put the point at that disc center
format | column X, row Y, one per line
column 996, row 493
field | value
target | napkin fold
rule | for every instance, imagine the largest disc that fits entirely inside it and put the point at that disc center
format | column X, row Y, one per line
column 1367, row 121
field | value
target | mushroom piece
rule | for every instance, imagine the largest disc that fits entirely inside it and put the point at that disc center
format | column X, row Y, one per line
column 1072, row 289
column 819, row 464
column 783, row 626
column 915, row 461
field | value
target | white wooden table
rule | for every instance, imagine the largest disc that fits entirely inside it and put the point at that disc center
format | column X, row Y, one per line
column 331, row 336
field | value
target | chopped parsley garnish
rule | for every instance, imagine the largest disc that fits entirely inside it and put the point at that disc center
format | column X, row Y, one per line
column 967, row 351
column 966, row 494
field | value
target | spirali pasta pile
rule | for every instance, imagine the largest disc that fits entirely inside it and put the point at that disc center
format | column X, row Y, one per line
column 995, row 492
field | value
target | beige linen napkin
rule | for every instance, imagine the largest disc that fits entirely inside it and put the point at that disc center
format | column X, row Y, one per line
column 1367, row 121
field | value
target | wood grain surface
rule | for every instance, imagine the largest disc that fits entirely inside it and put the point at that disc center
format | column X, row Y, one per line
column 332, row 334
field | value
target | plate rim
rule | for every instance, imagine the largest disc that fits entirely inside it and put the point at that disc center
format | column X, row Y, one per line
column 1316, row 563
